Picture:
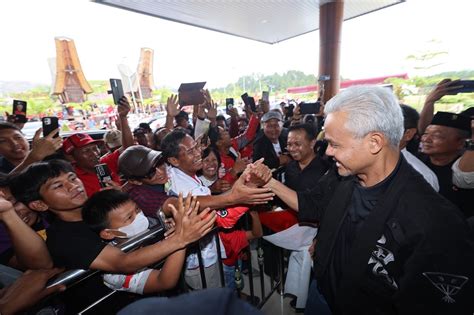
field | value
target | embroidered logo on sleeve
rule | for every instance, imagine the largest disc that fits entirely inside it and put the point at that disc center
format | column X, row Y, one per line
column 447, row 283
column 381, row 257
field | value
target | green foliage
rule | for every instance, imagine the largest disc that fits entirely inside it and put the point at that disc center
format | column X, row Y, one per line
column 411, row 91
column 256, row 83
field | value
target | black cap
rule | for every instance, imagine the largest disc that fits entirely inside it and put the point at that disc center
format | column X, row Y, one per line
column 138, row 131
column 145, row 126
column 136, row 161
column 452, row 120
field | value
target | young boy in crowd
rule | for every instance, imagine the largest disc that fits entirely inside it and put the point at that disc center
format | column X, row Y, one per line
column 235, row 241
column 112, row 214
column 53, row 186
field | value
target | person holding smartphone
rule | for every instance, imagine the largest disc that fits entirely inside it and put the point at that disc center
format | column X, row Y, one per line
column 85, row 154
column 15, row 153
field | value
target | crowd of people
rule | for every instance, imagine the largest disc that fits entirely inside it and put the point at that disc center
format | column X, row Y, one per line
column 390, row 191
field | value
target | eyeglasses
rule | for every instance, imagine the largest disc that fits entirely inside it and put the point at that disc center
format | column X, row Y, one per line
column 290, row 145
column 152, row 170
column 195, row 148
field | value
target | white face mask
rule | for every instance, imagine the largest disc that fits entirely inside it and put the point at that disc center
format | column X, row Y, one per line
column 139, row 225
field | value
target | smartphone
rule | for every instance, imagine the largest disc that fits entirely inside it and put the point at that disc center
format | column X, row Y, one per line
column 245, row 97
column 251, row 103
column 467, row 86
column 266, row 96
column 103, row 174
column 309, row 108
column 50, row 124
column 117, row 90
column 19, row 108
column 229, row 104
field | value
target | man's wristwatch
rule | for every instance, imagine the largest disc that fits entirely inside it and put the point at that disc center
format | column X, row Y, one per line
column 469, row 146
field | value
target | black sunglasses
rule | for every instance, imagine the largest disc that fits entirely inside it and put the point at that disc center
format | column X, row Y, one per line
column 152, row 170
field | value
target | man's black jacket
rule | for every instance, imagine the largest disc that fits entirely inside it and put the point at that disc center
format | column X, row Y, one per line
column 414, row 253
column 263, row 147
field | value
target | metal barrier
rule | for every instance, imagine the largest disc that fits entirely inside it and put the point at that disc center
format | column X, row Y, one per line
column 72, row 278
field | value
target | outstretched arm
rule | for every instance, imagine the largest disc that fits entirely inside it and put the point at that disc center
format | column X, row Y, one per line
column 190, row 227
column 426, row 115
column 172, row 110
column 123, row 110
column 27, row 290
column 41, row 148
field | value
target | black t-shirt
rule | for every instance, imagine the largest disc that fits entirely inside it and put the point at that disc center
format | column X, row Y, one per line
column 306, row 179
column 462, row 198
column 73, row 245
column 5, row 165
column 363, row 201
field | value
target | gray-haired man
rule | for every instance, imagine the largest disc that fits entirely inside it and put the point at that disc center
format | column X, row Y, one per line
column 387, row 242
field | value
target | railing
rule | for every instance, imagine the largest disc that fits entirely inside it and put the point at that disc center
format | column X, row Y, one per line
column 73, row 278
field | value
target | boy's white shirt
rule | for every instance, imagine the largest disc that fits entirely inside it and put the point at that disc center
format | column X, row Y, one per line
column 181, row 182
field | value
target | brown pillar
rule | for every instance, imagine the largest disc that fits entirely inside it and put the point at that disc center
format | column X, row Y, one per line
column 330, row 25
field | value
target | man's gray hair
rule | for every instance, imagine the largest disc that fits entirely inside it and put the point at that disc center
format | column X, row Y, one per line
column 369, row 108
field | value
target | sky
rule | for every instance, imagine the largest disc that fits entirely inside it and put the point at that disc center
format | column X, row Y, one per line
column 375, row 44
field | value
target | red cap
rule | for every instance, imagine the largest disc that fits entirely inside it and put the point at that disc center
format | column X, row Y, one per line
column 76, row 141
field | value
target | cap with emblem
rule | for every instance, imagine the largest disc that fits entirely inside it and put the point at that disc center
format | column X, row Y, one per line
column 77, row 141
column 452, row 120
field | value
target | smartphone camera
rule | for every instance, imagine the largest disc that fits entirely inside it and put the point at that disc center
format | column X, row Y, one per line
column 229, row 104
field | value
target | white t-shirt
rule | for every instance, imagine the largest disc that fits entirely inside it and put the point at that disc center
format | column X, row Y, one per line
column 421, row 168
column 183, row 183
column 207, row 182
column 462, row 179
column 277, row 148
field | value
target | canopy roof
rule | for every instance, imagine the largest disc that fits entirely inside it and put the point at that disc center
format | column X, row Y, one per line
column 268, row 21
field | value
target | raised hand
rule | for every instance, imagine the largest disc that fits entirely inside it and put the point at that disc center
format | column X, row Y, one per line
column 233, row 112
column 123, row 107
column 5, row 206
column 42, row 147
column 257, row 174
column 264, row 106
column 242, row 193
column 172, row 106
column 191, row 226
column 220, row 186
column 240, row 165
column 444, row 87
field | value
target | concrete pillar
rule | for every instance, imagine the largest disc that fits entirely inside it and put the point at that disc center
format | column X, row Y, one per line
column 330, row 26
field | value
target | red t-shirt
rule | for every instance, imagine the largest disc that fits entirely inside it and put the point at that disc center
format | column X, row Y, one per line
column 234, row 242
column 91, row 181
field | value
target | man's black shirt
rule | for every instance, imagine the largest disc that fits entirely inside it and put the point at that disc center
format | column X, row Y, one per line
column 301, row 180
column 363, row 201
column 462, row 198
column 5, row 165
